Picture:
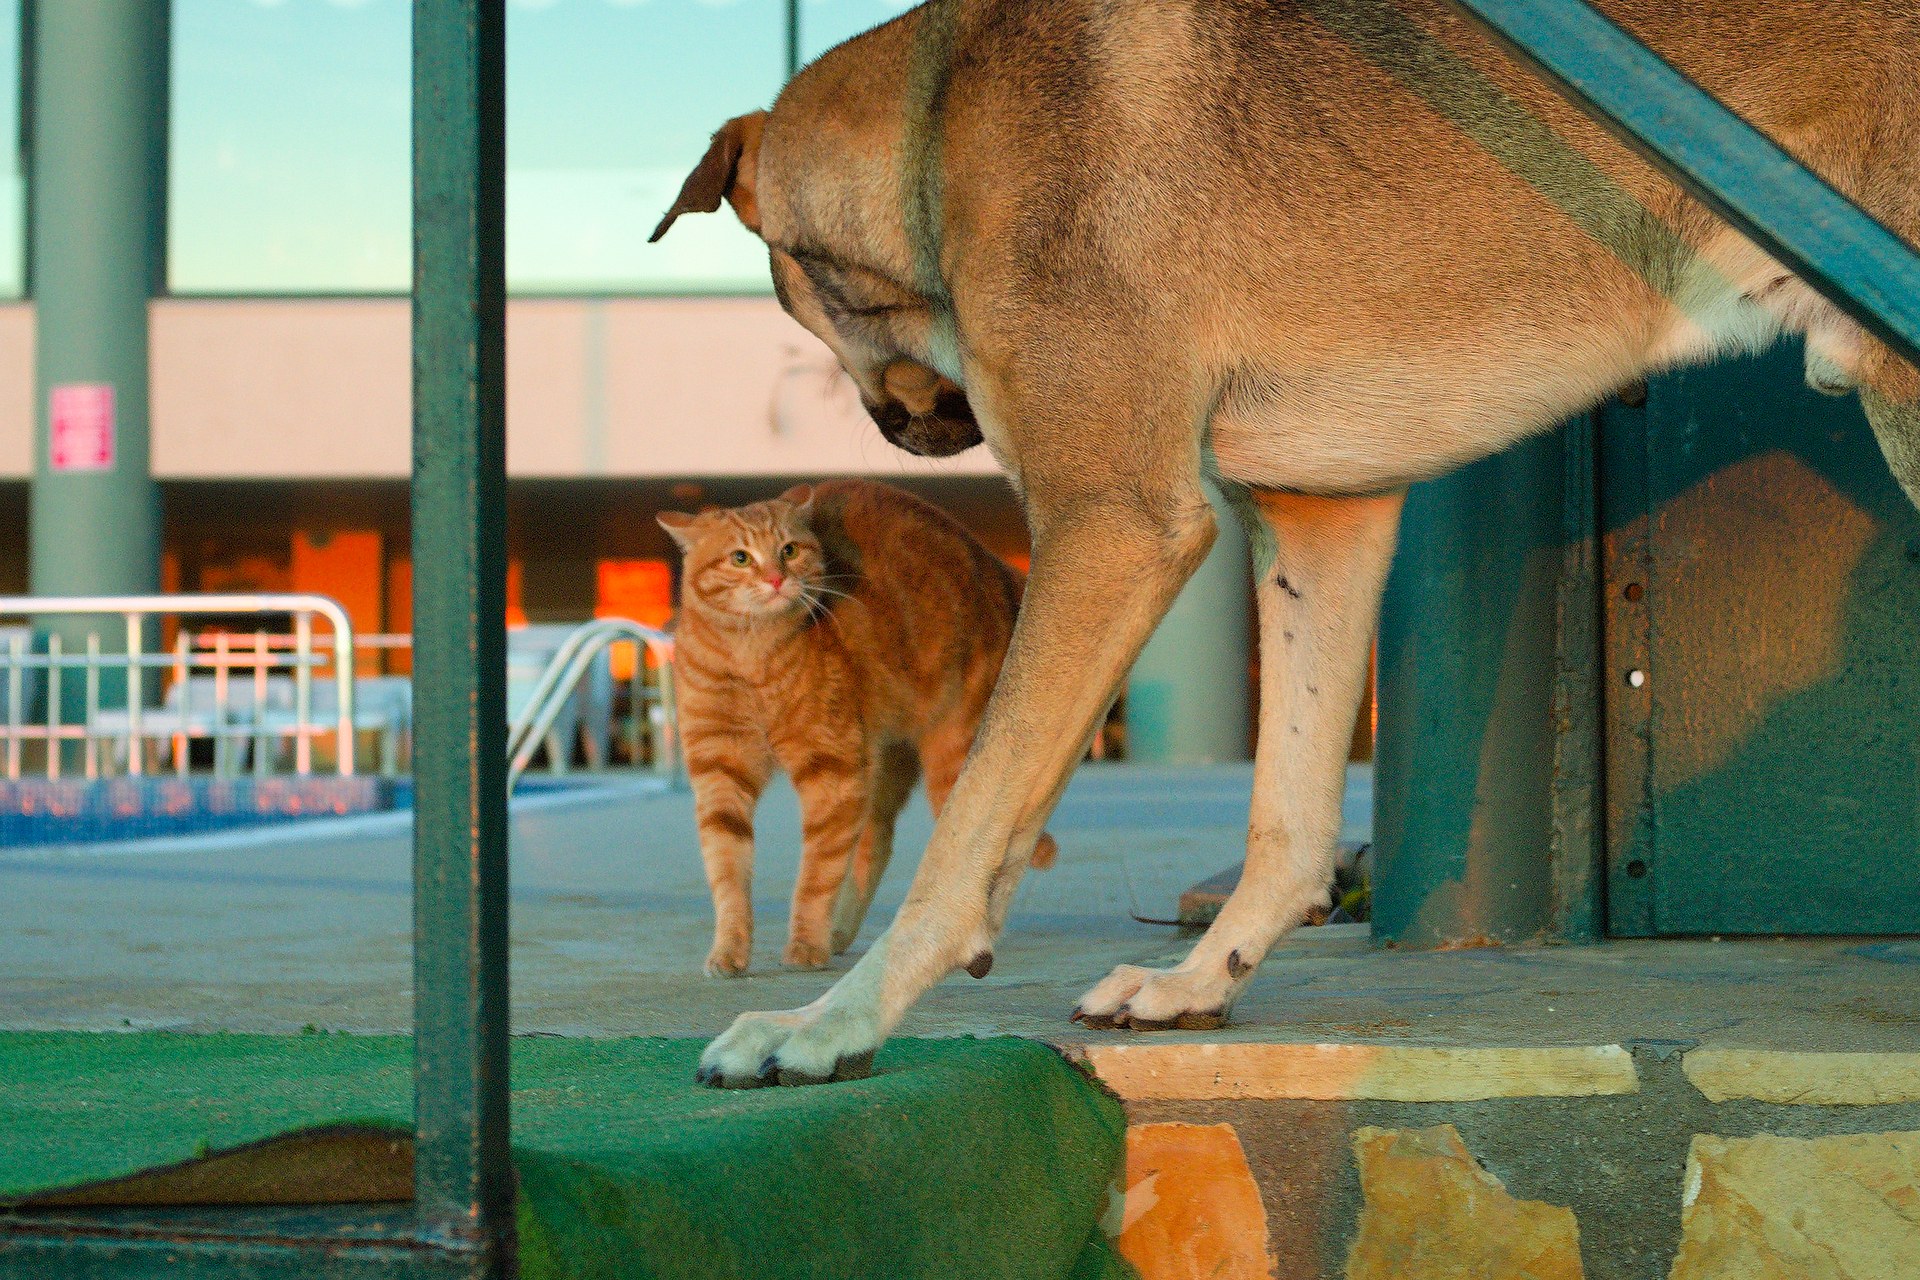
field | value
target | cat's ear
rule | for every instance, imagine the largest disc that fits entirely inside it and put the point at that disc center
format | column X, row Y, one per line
column 800, row 498
column 679, row 527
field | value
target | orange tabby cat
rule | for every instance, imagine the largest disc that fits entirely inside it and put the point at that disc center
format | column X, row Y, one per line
column 848, row 633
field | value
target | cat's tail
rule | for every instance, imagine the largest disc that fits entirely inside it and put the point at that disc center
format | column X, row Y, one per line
column 1044, row 852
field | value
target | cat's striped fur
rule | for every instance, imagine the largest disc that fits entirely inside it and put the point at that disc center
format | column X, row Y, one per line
column 846, row 632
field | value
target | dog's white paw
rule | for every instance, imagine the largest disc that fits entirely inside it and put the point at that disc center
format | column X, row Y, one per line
column 812, row 1045
column 1193, row 997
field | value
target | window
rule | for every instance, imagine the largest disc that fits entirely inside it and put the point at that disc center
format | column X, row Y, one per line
column 13, row 205
column 610, row 104
column 290, row 140
column 289, row 147
column 825, row 23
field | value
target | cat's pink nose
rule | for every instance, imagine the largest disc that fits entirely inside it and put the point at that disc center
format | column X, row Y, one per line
column 774, row 580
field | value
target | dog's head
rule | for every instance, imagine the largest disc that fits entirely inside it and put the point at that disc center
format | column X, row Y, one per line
column 839, row 287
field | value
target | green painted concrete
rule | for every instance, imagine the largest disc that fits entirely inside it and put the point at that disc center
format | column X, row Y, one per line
column 989, row 1159
column 97, row 165
column 1187, row 698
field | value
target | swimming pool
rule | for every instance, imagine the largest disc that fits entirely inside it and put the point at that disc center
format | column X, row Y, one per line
column 44, row 811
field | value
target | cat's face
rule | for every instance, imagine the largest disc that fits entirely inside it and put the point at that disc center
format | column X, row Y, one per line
column 752, row 562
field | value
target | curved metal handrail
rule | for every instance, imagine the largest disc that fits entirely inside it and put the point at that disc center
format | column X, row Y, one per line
column 563, row 674
column 300, row 605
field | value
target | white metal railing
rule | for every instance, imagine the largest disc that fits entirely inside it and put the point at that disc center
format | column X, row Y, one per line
column 136, row 724
column 563, row 673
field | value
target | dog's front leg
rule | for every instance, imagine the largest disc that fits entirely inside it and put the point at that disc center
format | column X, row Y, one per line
column 1105, row 570
column 1321, row 565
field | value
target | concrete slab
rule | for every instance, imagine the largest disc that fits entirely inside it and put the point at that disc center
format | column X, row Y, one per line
column 611, row 921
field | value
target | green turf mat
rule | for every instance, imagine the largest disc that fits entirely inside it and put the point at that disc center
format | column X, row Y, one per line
column 975, row 1158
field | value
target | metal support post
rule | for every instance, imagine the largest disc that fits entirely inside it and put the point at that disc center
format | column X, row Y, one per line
column 97, row 128
column 463, row 1181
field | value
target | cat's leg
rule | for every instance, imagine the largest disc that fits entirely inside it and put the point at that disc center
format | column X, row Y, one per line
column 834, row 779
column 894, row 773
column 1120, row 523
column 728, row 775
column 1321, row 566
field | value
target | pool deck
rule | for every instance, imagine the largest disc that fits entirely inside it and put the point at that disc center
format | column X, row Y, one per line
column 610, row 924
column 1576, row 1089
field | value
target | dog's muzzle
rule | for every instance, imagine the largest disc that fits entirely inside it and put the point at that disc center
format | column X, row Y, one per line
column 949, row 429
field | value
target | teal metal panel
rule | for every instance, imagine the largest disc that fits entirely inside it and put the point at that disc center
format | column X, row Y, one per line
column 1765, row 760
column 1188, row 700
column 1487, row 755
column 95, row 129
column 463, row 1184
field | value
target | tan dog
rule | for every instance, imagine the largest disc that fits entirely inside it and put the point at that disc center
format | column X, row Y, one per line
column 1315, row 250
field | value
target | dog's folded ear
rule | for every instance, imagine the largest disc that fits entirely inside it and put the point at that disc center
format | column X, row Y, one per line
column 727, row 171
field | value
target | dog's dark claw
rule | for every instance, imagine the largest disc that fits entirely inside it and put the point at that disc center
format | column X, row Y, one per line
column 1098, row 1021
column 713, row 1078
column 791, row 1079
column 855, row 1066
column 1179, row 1022
column 981, row 965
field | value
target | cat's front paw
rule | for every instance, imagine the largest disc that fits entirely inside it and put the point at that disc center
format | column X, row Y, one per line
column 729, row 958
column 804, row 955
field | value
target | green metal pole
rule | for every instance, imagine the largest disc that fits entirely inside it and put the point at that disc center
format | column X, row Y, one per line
column 1487, row 764
column 1188, row 700
column 463, row 1181
column 97, row 102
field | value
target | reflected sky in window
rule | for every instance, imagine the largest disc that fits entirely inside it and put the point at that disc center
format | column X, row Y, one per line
column 290, row 139
column 13, row 258
column 825, row 23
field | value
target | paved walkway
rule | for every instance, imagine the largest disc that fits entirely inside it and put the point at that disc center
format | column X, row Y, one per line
column 611, row 920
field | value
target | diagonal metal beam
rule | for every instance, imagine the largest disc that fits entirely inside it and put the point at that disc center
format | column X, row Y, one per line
column 1723, row 161
column 463, row 1183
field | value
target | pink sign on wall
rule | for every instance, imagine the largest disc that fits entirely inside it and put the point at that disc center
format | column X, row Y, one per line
column 81, row 437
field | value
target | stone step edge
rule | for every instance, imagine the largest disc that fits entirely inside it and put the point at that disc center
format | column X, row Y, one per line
column 1201, row 1072
column 1189, row 1072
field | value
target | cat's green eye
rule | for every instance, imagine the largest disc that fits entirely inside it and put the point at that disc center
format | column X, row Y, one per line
column 741, row 557
column 789, row 551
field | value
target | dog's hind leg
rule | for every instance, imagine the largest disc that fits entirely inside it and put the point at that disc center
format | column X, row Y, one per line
column 1321, row 566
column 1110, row 554
column 1896, row 423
